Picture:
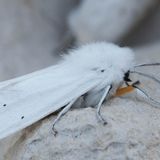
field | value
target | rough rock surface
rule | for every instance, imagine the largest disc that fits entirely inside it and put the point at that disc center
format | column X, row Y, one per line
column 108, row 20
column 133, row 132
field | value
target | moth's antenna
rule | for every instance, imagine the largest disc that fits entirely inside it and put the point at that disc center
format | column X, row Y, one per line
column 147, row 64
column 146, row 75
column 146, row 96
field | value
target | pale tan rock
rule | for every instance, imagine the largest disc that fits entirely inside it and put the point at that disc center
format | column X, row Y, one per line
column 133, row 132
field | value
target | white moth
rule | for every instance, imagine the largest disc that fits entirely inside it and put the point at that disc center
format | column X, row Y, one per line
column 93, row 71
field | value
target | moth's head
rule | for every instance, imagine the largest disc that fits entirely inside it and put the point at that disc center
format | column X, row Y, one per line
column 128, row 81
column 126, row 77
column 135, row 84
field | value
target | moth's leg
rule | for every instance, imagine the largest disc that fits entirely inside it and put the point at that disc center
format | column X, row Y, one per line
column 64, row 110
column 105, row 94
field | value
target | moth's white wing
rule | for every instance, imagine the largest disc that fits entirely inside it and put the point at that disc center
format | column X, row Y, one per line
column 28, row 76
column 28, row 99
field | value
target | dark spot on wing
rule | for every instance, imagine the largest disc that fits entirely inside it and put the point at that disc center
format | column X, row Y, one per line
column 98, row 69
column 4, row 105
column 102, row 70
column 22, row 117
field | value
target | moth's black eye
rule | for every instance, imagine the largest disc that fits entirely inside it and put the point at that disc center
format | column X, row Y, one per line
column 126, row 77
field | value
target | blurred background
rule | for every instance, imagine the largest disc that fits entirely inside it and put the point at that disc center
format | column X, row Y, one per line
column 34, row 33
